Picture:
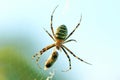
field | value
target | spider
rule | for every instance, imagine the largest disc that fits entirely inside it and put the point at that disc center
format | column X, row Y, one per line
column 60, row 37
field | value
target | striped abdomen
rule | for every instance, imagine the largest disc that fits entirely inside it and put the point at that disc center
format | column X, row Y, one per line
column 61, row 32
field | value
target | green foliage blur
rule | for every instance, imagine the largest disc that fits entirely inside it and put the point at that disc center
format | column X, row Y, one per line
column 16, row 61
column 14, row 66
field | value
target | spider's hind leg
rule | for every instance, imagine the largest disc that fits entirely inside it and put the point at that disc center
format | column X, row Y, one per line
column 74, row 29
column 70, row 41
column 49, row 34
column 51, row 22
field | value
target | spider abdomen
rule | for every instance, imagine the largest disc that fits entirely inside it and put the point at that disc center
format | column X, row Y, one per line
column 61, row 32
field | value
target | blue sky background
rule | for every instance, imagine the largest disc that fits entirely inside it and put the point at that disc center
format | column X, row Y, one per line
column 98, row 37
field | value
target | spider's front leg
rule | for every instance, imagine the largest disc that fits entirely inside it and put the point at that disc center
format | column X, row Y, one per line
column 68, row 59
column 75, row 55
column 42, row 51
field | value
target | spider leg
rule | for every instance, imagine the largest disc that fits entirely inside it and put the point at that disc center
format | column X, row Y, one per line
column 52, row 20
column 68, row 59
column 49, row 34
column 42, row 51
column 74, row 29
column 70, row 40
column 76, row 56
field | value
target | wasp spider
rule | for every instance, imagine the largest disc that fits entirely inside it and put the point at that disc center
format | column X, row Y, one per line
column 60, row 37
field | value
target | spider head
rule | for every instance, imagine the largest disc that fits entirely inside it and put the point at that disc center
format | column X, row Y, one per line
column 61, row 32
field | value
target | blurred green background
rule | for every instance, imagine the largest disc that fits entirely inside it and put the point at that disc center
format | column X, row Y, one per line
column 16, row 61
column 22, row 35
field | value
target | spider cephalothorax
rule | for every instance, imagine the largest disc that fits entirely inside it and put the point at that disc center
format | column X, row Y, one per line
column 60, row 37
